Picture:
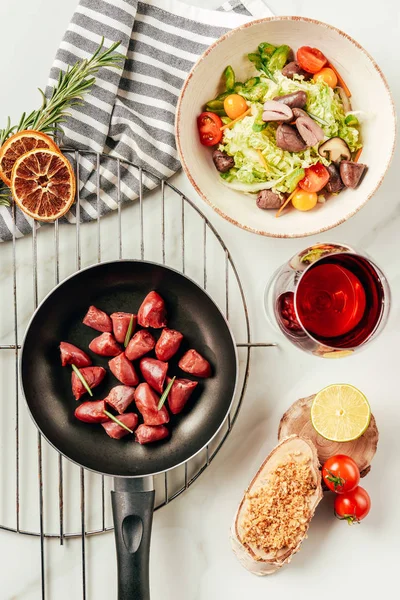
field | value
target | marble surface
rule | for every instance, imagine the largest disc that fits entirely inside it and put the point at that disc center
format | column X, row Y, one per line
column 191, row 557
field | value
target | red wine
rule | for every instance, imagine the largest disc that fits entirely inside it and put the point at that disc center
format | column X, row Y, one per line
column 339, row 300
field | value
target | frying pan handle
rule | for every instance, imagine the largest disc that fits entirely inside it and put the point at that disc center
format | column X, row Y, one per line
column 133, row 519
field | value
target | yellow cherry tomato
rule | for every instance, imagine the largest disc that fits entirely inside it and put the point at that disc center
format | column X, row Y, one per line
column 235, row 105
column 304, row 200
column 326, row 75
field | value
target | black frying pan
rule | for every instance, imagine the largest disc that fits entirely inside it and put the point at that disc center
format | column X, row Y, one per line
column 121, row 286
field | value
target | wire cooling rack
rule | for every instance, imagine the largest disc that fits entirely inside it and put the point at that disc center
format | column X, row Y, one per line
column 43, row 494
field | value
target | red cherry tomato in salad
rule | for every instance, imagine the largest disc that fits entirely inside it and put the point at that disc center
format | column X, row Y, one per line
column 316, row 177
column 341, row 474
column 235, row 105
column 328, row 76
column 353, row 506
column 311, row 59
column 209, row 125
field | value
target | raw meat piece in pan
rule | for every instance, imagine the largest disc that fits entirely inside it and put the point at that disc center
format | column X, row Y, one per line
column 152, row 311
column 92, row 412
column 117, row 432
column 179, row 394
column 146, row 434
column 72, row 355
column 120, row 323
column 120, row 397
column 92, row 375
column 141, row 343
column 123, row 370
column 105, row 345
column 154, row 371
column 147, row 403
column 97, row 319
column 168, row 344
column 192, row 362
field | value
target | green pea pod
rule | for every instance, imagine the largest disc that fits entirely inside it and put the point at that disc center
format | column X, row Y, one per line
column 259, row 65
column 351, row 120
column 293, row 179
column 215, row 105
column 225, row 119
column 217, row 111
column 221, row 96
column 266, row 50
column 238, row 87
column 279, row 58
column 256, row 93
column 229, row 75
column 251, row 82
column 255, row 58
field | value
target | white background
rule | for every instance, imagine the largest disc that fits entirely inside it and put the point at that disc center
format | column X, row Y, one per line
column 191, row 557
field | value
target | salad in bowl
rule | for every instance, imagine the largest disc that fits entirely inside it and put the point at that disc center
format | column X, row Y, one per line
column 329, row 67
column 287, row 136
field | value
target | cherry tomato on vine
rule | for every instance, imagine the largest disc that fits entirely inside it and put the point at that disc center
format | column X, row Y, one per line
column 353, row 506
column 235, row 105
column 316, row 177
column 209, row 125
column 341, row 474
column 311, row 59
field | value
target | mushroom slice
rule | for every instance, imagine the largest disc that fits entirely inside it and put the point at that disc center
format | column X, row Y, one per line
column 276, row 111
column 351, row 173
column 335, row 149
column 265, row 534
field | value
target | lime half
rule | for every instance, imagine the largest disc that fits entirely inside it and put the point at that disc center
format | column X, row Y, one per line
column 340, row 413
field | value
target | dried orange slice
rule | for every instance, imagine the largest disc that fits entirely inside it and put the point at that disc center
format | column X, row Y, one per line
column 43, row 184
column 18, row 144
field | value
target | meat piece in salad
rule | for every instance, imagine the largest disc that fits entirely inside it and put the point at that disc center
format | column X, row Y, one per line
column 286, row 125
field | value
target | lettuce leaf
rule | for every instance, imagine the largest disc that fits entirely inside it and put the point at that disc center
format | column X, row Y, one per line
column 245, row 143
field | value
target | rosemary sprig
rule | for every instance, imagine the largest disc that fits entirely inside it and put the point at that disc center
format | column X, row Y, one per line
column 71, row 86
column 83, row 380
column 165, row 393
column 69, row 91
column 129, row 332
column 120, row 423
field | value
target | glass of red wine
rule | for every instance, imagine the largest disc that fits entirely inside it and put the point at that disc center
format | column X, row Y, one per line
column 329, row 300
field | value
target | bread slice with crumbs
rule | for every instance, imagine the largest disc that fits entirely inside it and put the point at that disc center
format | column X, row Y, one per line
column 274, row 515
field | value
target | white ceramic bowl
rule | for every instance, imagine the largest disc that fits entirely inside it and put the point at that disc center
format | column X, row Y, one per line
column 370, row 93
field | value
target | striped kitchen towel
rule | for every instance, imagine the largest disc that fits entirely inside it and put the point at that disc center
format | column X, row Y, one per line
column 130, row 114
